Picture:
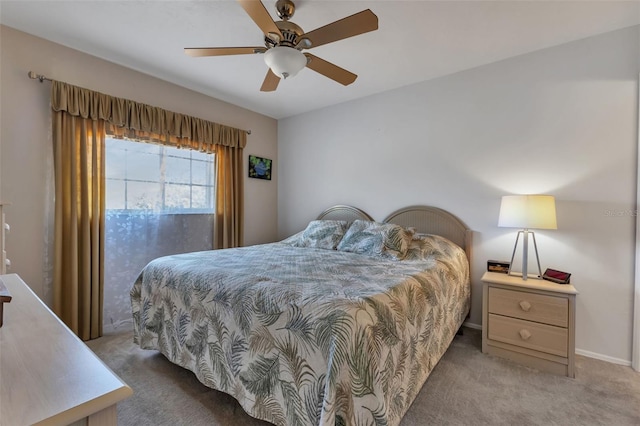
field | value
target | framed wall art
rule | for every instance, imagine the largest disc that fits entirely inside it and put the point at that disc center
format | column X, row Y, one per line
column 259, row 168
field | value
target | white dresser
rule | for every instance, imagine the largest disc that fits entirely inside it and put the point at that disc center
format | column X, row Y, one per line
column 48, row 376
column 531, row 322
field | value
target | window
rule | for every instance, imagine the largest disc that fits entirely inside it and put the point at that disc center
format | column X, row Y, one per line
column 160, row 201
column 143, row 176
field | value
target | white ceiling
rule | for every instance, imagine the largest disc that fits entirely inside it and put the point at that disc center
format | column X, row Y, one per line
column 416, row 40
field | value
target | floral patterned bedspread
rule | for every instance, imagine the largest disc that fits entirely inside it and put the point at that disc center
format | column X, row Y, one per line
column 305, row 336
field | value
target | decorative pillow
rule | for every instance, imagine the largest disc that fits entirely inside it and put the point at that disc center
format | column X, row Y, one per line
column 376, row 239
column 426, row 245
column 293, row 239
column 324, row 234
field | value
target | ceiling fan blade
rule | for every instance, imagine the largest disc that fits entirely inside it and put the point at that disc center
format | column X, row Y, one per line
column 330, row 70
column 270, row 82
column 353, row 25
column 221, row 51
column 256, row 10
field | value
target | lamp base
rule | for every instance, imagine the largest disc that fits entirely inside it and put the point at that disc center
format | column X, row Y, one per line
column 529, row 276
column 525, row 258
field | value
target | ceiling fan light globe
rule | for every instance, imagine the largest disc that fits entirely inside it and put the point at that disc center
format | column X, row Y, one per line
column 285, row 61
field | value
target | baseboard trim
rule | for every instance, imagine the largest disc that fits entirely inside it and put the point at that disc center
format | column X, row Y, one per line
column 472, row 325
column 117, row 326
column 601, row 357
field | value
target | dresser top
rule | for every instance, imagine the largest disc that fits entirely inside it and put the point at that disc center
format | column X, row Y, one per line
column 47, row 374
column 532, row 283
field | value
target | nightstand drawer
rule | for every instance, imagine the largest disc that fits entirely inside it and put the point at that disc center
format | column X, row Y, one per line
column 539, row 337
column 529, row 306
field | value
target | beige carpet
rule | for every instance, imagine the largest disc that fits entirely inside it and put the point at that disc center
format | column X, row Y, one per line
column 466, row 388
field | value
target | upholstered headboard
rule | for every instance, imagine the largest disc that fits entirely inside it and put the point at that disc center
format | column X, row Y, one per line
column 432, row 220
column 425, row 219
column 342, row 212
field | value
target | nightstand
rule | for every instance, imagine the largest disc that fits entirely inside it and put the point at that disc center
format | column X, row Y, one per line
column 531, row 322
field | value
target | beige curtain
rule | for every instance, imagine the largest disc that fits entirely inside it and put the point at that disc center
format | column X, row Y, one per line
column 228, row 220
column 82, row 118
column 79, row 222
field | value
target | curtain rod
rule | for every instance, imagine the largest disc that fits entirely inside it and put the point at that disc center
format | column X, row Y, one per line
column 34, row 76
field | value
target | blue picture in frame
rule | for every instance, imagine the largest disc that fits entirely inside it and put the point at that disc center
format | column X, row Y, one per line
column 259, row 168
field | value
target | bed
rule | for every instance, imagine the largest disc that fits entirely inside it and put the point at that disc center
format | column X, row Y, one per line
column 340, row 324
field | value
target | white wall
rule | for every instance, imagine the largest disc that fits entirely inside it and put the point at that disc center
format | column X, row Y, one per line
column 25, row 139
column 560, row 121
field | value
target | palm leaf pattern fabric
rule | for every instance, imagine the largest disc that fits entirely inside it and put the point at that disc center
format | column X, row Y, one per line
column 305, row 336
column 376, row 239
column 324, row 234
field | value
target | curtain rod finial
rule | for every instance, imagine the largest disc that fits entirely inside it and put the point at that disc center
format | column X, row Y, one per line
column 32, row 75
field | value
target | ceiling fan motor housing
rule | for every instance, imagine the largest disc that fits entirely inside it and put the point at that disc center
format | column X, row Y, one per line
column 290, row 35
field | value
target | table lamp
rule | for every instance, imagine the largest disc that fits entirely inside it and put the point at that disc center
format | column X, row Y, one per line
column 527, row 212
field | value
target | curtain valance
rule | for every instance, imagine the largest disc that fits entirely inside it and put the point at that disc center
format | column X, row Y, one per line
column 135, row 120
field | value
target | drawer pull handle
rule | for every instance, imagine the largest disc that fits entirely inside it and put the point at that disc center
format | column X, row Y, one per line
column 525, row 306
column 524, row 334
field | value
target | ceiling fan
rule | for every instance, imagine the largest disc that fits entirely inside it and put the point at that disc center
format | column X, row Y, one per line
column 285, row 40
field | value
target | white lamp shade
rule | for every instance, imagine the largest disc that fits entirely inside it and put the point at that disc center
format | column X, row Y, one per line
column 528, row 212
column 285, row 61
